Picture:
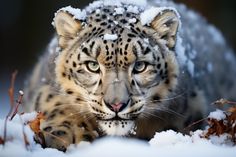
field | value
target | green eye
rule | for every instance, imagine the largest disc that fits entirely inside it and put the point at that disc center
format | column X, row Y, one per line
column 93, row 66
column 140, row 67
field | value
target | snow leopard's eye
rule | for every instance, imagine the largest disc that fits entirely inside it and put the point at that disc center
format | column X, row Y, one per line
column 93, row 66
column 140, row 67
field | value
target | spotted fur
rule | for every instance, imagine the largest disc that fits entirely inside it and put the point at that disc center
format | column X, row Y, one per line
column 132, row 85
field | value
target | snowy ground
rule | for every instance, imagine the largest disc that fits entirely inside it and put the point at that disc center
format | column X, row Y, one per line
column 168, row 143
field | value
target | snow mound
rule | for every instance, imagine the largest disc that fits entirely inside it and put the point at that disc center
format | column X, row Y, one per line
column 218, row 115
column 160, row 145
column 171, row 143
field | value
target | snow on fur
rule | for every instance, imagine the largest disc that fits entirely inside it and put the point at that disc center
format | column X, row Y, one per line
column 110, row 37
column 77, row 13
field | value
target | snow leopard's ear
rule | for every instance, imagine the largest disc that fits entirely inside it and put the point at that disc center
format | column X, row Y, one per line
column 66, row 27
column 166, row 24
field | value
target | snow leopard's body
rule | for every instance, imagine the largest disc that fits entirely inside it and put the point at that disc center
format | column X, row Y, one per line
column 141, row 79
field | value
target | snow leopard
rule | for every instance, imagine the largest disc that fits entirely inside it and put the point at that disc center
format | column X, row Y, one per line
column 128, row 68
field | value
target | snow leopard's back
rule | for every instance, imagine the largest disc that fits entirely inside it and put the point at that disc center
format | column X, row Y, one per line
column 204, row 54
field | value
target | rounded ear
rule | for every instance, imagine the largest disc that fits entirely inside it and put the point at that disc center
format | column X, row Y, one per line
column 166, row 24
column 66, row 27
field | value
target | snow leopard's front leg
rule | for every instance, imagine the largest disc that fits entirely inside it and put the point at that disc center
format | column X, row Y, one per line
column 65, row 123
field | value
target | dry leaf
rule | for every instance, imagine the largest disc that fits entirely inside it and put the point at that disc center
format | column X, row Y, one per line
column 226, row 125
column 35, row 124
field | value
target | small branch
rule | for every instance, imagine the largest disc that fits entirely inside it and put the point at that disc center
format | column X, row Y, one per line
column 223, row 102
column 11, row 89
column 11, row 96
column 194, row 123
column 24, row 135
column 19, row 102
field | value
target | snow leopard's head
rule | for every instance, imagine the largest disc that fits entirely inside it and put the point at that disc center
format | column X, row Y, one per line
column 117, row 64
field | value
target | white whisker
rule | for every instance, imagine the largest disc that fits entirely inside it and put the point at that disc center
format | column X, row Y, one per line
column 165, row 109
column 153, row 115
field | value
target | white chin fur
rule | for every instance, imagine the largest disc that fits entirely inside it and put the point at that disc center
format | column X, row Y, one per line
column 116, row 128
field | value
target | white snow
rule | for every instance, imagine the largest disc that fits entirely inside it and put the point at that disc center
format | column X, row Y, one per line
column 168, row 138
column 98, row 11
column 209, row 67
column 53, row 45
column 193, row 54
column 119, row 11
column 140, row 3
column 218, row 115
column 180, row 50
column 134, row 5
column 21, row 92
column 77, row 13
column 133, row 20
column 43, row 79
column 15, row 131
column 190, row 67
column 27, row 117
column 146, row 40
column 166, row 143
column 115, row 22
column 133, row 9
column 170, row 143
column 110, row 36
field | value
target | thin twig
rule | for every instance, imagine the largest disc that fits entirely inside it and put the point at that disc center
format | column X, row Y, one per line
column 194, row 123
column 24, row 135
column 19, row 102
column 223, row 102
column 11, row 90
column 11, row 96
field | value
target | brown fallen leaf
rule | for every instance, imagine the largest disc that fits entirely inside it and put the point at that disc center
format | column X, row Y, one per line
column 35, row 124
column 226, row 125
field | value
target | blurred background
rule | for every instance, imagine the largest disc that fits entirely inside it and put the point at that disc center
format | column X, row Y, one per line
column 25, row 31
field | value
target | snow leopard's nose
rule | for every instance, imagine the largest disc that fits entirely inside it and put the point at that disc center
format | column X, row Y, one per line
column 116, row 96
column 116, row 107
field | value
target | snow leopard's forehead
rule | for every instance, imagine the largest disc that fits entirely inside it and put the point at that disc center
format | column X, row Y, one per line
column 113, row 16
column 116, row 36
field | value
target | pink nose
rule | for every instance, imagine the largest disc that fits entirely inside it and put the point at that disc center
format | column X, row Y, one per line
column 116, row 107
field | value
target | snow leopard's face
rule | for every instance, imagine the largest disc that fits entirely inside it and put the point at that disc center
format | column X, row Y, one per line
column 116, row 68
